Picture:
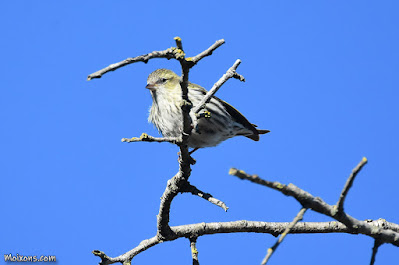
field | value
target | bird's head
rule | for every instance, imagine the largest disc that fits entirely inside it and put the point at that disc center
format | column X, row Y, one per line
column 163, row 81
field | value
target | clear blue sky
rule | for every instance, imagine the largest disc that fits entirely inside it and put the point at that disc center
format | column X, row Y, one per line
column 321, row 75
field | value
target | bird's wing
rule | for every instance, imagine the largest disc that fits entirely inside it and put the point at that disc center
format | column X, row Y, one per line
column 235, row 114
column 198, row 88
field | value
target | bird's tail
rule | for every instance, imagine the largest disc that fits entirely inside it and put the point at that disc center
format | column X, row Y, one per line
column 263, row 131
column 255, row 136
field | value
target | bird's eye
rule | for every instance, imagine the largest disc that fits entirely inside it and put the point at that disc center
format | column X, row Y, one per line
column 163, row 80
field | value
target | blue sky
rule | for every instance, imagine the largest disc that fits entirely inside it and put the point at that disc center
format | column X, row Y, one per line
column 321, row 75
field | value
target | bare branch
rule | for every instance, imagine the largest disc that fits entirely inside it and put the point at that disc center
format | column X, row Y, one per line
column 377, row 244
column 271, row 250
column 206, row 53
column 229, row 74
column 176, row 183
column 348, row 185
column 380, row 230
column 273, row 228
column 317, row 204
column 382, row 223
column 178, row 43
column 180, row 179
column 194, row 250
column 173, row 52
column 168, row 54
column 193, row 190
column 127, row 257
column 148, row 138
column 105, row 260
column 173, row 187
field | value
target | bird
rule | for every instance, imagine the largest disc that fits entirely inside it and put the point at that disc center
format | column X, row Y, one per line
column 223, row 121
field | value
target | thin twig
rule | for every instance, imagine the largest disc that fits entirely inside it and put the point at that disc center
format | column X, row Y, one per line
column 348, row 185
column 148, row 138
column 194, row 250
column 229, row 74
column 171, row 53
column 195, row 191
column 207, row 52
column 377, row 244
column 317, row 204
column 168, row 54
column 271, row 250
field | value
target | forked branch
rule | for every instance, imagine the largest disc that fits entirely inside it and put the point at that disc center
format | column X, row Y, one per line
column 271, row 250
column 317, row 204
column 380, row 230
column 272, row 228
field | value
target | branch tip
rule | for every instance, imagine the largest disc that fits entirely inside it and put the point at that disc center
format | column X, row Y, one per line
column 178, row 42
column 105, row 260
column 207, row 196
column 349, row 182
column 230, row 73
column 207, row 52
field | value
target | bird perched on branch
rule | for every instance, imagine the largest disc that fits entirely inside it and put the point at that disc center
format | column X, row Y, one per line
column 221, row 122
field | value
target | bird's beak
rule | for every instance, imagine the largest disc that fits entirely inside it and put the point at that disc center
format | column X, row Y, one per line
column 151, row 87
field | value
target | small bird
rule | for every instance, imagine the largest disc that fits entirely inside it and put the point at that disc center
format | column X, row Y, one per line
column 224, row 121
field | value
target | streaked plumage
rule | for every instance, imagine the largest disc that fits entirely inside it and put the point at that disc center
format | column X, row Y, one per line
column 165, row 113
